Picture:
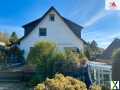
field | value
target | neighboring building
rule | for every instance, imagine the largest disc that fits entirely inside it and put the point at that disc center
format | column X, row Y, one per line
column 52, row 27
column 107, row 54
column 101, row 73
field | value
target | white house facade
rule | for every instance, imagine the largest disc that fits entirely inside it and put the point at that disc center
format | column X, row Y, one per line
column 52, row 27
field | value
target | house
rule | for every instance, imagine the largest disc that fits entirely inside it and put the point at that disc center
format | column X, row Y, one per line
column 111, row 48
column 52, row 27
column 107, row 54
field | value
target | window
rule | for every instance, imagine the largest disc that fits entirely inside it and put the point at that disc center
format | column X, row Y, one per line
column 42, row 32
column 52, row 17
column 73, row 49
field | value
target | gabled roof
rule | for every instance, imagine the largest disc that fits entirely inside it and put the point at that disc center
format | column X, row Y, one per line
column 107, row 54
column 75, row 28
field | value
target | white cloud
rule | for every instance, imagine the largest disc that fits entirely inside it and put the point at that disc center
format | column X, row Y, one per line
column 104, row 44
column 105, row 41
column 101, row 14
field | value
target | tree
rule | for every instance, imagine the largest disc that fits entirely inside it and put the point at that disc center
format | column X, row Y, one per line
column 94, row 49
column 41, row 51
column 93, row 46
column 116, row 65
column 48, row 61
column 13, row 38
column 41, row 56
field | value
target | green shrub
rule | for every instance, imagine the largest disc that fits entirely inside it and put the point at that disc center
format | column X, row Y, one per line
column 95, row 87
column 116, row 54
column 41, row 52
column 48, row 61
column 116, row 65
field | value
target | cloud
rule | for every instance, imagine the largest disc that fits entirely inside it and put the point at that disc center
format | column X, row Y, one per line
column 104, row 44
column 101, row 14
column 105, row 41
column 103, row 38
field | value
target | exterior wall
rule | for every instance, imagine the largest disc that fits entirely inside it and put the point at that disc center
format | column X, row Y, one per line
column 57, row 32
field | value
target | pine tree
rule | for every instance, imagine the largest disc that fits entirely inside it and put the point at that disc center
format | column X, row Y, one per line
column 13, row 38
column 94, row 47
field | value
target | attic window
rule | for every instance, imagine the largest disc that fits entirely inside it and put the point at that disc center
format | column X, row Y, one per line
column 52, row 17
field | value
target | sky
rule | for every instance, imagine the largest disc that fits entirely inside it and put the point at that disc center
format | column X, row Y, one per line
column 99, row 24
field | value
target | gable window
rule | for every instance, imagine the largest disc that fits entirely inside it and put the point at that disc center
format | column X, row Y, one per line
column 42, row 32
column 52, row 17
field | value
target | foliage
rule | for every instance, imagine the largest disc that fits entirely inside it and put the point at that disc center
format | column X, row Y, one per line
column 40, row 87
column 67, row 62
column 116, row 65
column 48, row 61
column 95, row 87
column 60, row 82
column 116, row 54
column 13, row 38
column 92, row 51
column 93, row 45
column 42, row 57
column 41, row 52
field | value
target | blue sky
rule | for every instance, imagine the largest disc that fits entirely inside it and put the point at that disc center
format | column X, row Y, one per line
column 99, row 24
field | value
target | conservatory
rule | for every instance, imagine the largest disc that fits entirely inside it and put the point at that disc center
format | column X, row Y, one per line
column 101, row 73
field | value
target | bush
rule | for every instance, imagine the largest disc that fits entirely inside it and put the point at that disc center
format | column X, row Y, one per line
column 41, row 52
column 116, row 54
column 41, row 57
column 40, row 87
column 116, row 65
column 48, row 61
column 95, row 87
column 60, row 82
